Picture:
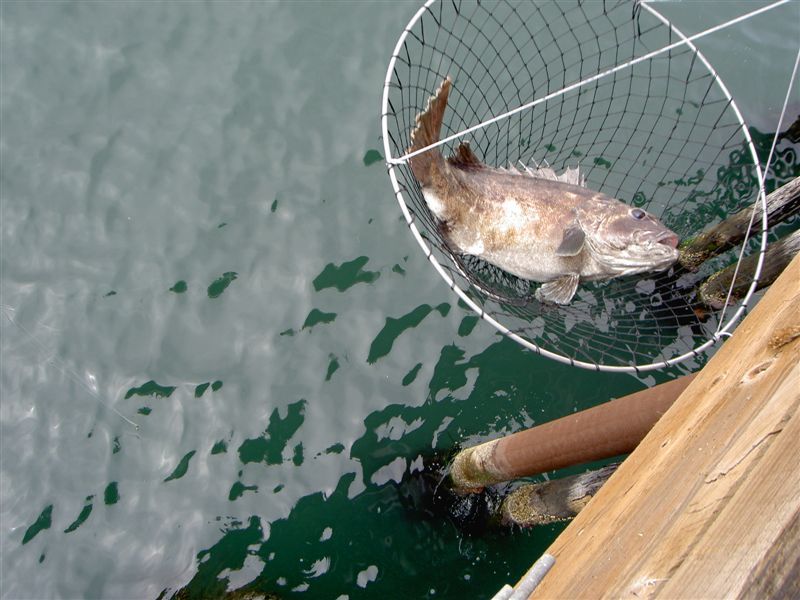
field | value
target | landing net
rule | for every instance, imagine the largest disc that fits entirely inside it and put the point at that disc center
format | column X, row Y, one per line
column 657, row 130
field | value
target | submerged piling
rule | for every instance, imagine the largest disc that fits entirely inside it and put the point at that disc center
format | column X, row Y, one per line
column 716, row 289
column 781, row 204
column 555, row 500
column 604, row 431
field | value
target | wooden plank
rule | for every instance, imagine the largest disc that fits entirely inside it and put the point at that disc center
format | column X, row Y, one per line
column 778, row 575
column 698, row 508
column 739, row 538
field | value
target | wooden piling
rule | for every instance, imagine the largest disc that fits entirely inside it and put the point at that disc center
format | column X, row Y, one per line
column 708, row 505
column 781, row 204
column 554, row 500
column 714, row 291
column 604, row 431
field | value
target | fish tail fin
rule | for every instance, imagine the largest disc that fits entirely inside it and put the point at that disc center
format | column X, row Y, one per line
column 426, row 132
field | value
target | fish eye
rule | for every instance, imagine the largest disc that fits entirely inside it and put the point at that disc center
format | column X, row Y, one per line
column 638, row 214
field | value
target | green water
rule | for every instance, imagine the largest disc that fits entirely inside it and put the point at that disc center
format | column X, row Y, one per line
column 199, row 236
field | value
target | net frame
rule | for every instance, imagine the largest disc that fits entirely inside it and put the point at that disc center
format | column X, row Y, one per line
column 454, row 272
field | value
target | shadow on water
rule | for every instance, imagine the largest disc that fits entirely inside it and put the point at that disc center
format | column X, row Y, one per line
column 328, row 543
column 365, row 538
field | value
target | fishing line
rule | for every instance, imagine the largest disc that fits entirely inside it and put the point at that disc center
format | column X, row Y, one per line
column 582, row 83
column 65, row 369
column 775, row 138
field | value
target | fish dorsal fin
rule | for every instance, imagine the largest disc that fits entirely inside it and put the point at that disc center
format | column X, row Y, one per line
column 573, row 176
column 465, row 158
column 570, row 175
column 541, row 172
column 572, row 241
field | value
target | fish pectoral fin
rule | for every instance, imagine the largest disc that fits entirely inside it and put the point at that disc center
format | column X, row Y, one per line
column 572, row 242
column 559, row 291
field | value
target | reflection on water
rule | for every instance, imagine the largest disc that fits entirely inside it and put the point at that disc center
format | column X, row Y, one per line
column 222, row 355
column 345, row 275
column 382, row 344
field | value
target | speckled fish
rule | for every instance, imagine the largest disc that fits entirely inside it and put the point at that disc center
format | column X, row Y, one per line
column 530, row 222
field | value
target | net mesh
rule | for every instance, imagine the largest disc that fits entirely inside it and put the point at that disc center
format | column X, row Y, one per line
column 662, row 135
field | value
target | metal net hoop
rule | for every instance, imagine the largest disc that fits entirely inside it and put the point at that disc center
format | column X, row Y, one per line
column 663, row 134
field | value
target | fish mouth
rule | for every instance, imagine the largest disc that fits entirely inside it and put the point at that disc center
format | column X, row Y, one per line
column 669, row 239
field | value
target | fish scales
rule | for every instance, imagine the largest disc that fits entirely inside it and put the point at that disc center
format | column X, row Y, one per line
column 533, row 223
column 517, row 225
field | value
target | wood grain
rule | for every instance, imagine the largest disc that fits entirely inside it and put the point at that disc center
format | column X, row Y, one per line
column 702, row 506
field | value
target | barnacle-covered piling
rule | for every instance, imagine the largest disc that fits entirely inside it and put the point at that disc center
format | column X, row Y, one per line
column 554, row 500
column 781, row 204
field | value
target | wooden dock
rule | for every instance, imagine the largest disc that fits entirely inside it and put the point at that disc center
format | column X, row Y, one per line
column 708, row 505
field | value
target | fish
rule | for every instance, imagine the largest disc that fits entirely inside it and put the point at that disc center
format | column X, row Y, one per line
column 536, row 225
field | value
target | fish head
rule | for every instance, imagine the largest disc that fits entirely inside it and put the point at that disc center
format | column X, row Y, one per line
column 627, row 240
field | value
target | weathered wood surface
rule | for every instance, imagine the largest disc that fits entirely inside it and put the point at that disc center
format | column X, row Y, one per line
column 554, row 500
column 708, row 504
column 714, row 291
